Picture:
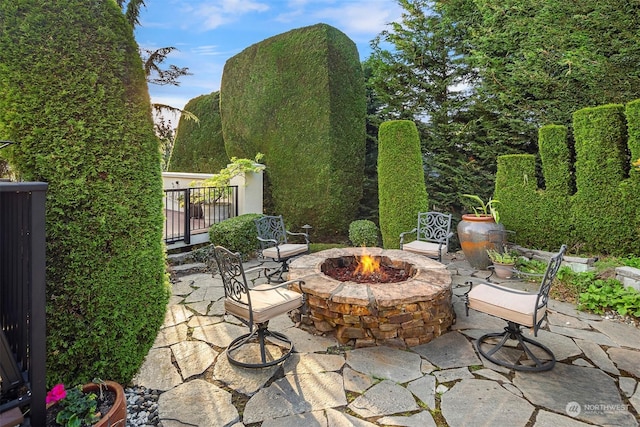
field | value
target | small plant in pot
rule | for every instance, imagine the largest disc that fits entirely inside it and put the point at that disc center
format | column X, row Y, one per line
column 503, row 262
column 100, row 403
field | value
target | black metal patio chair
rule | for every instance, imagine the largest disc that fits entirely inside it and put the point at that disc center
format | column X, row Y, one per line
column 272, row 236
column 517, row 308
column 432, row 235
column 254, row 306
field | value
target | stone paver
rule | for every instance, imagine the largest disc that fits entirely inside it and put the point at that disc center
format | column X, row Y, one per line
column 424, row 389
column 484, row 403
column 157, row 371
column 200, row 394
column 193, row 357
column 549, row 419
column 598, row 356
column 176, row 314
column 311, row 363
column 594, row 382
column 296, row 394
column 455, row 374
column 243, row 380
column 421, row 419
column 384, row 398
column 586, row 387
column 593, row 336
column 171, row 335
column 356, row 381
column 450, row 350
column 386, row 363
column 626, row 360
column 621, row 334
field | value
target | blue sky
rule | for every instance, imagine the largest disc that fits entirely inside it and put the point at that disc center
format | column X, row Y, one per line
column 208, row 32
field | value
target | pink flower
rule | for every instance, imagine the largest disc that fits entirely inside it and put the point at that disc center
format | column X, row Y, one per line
column 57, row 393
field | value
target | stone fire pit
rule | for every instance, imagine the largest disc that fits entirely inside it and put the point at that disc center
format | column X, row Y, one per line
column 406, row 313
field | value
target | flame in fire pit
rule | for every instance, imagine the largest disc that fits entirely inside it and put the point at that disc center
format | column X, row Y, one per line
column 367, row 266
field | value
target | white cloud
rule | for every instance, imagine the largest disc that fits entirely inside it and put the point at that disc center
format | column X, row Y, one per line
column 361, row 17
column 206, row 50
column 224, row 12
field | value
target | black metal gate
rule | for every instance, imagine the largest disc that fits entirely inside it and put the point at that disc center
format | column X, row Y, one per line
column 22, row 298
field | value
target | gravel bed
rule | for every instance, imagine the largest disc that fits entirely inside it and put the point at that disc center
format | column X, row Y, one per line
column 142, row 407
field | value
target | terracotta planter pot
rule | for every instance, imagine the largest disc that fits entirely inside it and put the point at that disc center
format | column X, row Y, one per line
column 476, row 235
column 117, row 415
column 503, row 271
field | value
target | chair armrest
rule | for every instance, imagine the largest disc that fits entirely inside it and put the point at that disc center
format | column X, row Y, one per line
column 267, row 240
column 280, row 285
column 306, row 236
column 405, row 233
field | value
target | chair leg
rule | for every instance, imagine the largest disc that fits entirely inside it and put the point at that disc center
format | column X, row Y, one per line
column 259, row 336
column 513, row 332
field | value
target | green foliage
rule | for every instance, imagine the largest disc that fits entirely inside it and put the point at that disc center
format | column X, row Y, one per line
column 199, row 145
column 73, row 95
column 598, row 206
column 507, row 257
column 602, row 216
column 299, row 98
column 401, row 185
column 317, row 247
column 222, row 179
column 610, row 294
column 415, row 72
column 631, row 261
column 238, row 234
column 78, row 408
column 516, row 189
column 484, row 208
column 541, row 60
column 363, row 232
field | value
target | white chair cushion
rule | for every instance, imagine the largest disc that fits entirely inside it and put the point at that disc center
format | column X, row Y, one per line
column 424, row 248
column 287, row 250
column 266, row 304
column 505, row 303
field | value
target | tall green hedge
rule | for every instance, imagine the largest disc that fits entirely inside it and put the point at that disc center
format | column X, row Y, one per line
column 602, row 215
column 73, row 96
column 199, row 146
column 600, row 138
column 401, row 188
column 299, row 98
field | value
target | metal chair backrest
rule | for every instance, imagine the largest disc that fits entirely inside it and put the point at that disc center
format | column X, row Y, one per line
column 271, row 231
column 234, row 280
column 433, row 227
column 547, row 281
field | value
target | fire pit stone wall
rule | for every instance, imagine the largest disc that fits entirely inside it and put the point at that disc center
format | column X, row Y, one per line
column 402, row 314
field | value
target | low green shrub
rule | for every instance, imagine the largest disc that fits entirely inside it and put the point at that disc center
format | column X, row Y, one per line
column 238, row 234
column 610, row 294
column 631, row 261
column 363, row 232
column 317, row 247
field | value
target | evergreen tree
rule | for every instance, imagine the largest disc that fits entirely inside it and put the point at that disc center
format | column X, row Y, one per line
column 425, row 78
column 539, row 61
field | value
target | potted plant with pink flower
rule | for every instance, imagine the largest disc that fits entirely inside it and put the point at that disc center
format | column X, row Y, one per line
column 101, row 403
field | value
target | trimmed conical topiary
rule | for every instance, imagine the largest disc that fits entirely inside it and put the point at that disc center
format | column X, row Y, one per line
column 401, row 188
column 73, row 96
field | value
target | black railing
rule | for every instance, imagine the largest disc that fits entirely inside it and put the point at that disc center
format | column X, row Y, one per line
column 193, row 210
column 22, row 298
